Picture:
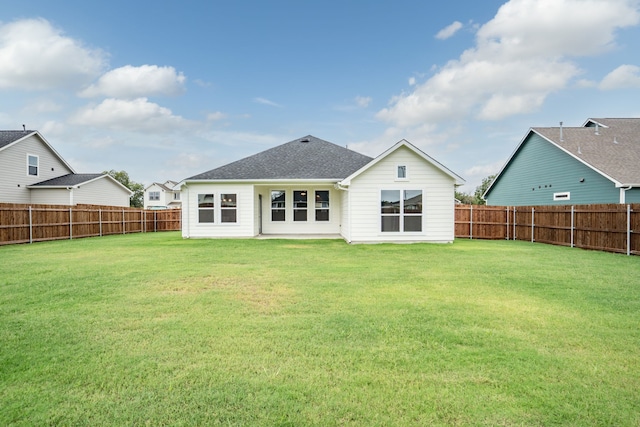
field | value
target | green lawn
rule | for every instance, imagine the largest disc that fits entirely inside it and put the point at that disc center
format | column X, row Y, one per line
column 155, row 330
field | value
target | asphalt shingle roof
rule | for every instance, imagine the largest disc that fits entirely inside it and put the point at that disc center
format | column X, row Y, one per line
column 9, row 136
column 68, row 180
column 303, row 158
column 614, row 150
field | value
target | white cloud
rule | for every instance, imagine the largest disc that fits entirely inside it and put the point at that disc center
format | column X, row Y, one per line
column 265, row 101
column 363, row 101
column 214, row 117
column 36, row 56
column 130, row 115
column 130, row 82
column 412, row 81
column 449, row 30
column 521, row 56
column 625, row 76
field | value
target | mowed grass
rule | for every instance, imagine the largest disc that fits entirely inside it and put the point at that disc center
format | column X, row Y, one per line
column 155, row 330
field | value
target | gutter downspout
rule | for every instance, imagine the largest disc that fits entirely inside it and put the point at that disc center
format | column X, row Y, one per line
column 623, row 194
column 70, row 189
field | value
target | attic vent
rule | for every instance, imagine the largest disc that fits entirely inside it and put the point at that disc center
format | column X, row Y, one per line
column 304, row 140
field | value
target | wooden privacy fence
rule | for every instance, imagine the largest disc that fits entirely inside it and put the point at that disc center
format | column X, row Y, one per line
column 611, row 227
column 36, row 223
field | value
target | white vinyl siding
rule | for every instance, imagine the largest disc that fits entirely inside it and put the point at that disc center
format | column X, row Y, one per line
column 244, row 225
column 101, row 191
column 13, row 163
column 437, row 199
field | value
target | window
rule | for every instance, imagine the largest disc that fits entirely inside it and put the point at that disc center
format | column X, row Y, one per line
column 322, row 205
column 390, row 210
column 402, row 172
column 412, row 209
column 228, row 208
column 300, row 205
column 401, row 210
column 205, row 208
column 154, row 195
column 176, row 196
column 32, row 165
column 278, row 205
column 562, row 196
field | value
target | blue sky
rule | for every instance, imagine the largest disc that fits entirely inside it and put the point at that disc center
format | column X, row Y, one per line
column 168, row 90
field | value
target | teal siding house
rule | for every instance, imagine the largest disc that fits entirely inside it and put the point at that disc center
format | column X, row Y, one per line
column 598, row 162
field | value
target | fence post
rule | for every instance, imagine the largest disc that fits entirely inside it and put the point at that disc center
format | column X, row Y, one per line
column 30, row 226
column 100, row 220
column 471, row 222
column 514, row 224
column 573, row 212
column 507, row 211
column 124, row 224
column 70, row 224
column 155, row 221
column 142, row 221
column 628, row 230
column 533, row 217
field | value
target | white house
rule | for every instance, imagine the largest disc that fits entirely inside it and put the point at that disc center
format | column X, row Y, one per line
column 162, row 196
column 311, row 187
column 31, row 171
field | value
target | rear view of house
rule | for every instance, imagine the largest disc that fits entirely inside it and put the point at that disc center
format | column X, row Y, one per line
column 311, row 187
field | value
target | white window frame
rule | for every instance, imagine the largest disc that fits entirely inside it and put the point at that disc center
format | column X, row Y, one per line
column 402, row 214
column 152, row 194
column 565, row 195
column 233, row 208
column 278, row 208
column 321, row 208
column 206, row 208
column 37, row 166
column 297, row 209
column 404, row 168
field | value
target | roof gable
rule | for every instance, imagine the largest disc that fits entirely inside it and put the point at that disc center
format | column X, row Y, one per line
column 9, row 138
column 77, row 180
column 303, row 158
column 404, row 143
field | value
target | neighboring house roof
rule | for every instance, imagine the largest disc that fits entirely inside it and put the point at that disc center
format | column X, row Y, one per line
column 11, row 137
column 612, row 148
column 75, row 180
column 404, row 143
column 163, row 186
column 303, row 158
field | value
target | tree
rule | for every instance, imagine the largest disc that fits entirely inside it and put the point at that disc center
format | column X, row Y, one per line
column 137, row 199
column 476, row 197
column 486, row 182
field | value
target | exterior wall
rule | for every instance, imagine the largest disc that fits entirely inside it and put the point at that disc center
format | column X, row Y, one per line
column 437, row 200
column 289, row 226
column 99, row 192
column 13, row 169
column 244, row 227
column 632, row 196
column 539, row 169
column 51, row 196
column 102, row 191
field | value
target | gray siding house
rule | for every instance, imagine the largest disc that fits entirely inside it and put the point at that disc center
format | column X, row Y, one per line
column 598, row 162
column 32, row 171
